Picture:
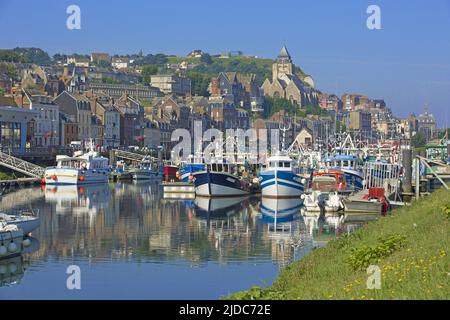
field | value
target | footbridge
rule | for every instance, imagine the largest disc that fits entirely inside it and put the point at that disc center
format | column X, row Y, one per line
column 20, row 165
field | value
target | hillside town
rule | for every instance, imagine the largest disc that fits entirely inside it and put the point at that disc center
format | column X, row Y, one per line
column 137, row 101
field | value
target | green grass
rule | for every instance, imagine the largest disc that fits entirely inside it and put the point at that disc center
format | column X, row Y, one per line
column 178, row 59
column 7, row 176
column 411, row 248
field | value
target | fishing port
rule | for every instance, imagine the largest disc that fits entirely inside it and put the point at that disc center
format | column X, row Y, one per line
column 300, row 151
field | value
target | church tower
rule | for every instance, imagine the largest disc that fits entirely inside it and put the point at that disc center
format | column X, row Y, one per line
column 283, row 65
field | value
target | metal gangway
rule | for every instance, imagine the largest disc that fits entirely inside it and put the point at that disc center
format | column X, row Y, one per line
column 130, row 155
column 22, row 166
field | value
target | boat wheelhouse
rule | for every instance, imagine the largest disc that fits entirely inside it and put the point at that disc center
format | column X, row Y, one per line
column 349, row 165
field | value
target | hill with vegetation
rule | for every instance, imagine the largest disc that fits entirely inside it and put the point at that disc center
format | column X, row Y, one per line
column 410, row 247
column 25, row 55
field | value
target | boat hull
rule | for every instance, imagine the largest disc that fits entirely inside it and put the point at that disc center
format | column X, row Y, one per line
column 354, row 179
column 362, row 207
column 218, row 184
column 144, row 175
column 280, row 184
column 66, row 176
column 25, row 223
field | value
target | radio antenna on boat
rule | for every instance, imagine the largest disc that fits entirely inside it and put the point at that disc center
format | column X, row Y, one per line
column 283, row 129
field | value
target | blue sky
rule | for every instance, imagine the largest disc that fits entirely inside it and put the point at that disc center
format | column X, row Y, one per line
column 407, row 62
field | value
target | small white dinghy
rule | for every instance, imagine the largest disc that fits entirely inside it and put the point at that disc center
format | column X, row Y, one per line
column 324, row 196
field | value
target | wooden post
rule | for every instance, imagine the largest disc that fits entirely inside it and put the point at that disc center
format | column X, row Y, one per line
column 407, row 167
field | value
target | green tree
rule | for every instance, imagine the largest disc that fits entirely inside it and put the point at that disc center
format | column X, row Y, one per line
column 9, row 69
column 340, row 126
column 2, row 91
column 147, row 71
column 206, row 58
column 11, row 56
column 418, row 140
column 34, row 55
column 158, row 59
column 274, row 104
column 109, row 80
column 59, row 57
column 199, row 83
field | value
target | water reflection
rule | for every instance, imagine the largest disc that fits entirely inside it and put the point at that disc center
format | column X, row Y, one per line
column 286, row 229
column 13, row 269
column 123, row 226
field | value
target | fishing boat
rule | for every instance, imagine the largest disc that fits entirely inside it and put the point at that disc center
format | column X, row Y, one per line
column 221, row 180
column 81, row 168
column 121, row 171
column 147, row 170
column 187, row 170
column 26, row 221
column 348, row 164
column 374, row 202
column 324, row 195
column 279, row 179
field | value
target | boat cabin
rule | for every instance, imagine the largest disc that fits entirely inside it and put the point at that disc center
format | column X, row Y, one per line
column 81, row 162
column 230, row 168
column 280, row 163
column 341, row 161
column 337, row 176
column 324, row 184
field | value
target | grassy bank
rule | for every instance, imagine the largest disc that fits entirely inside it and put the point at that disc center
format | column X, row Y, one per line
column 410, row 247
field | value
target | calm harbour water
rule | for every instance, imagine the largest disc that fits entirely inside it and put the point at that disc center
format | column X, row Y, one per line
column 130, row 243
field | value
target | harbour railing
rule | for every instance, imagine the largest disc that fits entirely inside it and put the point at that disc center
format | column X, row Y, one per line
column 382, row 175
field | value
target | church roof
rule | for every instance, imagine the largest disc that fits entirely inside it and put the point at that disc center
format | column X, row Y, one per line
column 284, row 53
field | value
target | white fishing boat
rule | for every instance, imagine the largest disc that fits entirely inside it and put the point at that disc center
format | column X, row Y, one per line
column 81, row 168
column 25, row 221
column 279, row 179
column 324, row 195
